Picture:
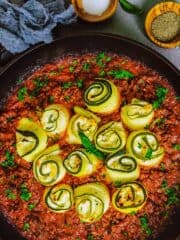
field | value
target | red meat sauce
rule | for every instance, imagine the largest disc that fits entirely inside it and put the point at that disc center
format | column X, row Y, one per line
column 46, row 225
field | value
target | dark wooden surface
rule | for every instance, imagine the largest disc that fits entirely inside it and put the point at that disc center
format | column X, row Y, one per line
column 121, row 23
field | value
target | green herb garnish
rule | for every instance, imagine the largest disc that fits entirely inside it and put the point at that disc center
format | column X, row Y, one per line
column 149, row 153
column 164, row 183
column 90, row 237
column 51, row 99
column 39, row 84
column 67, row 85
column 9, row 162
column 86, row 66
column 176, row 147
column 22, row 92
column 145, row 225
column 130, row 7
column 102, row 73
column 24, row 193
column 162, row 167
column 26, row 226
column 161, row 93
column 71, row 69
column 120, row 74
column 90, row 147
column 160, row 122
column 67, row 98
column 31, row 206
column 10, row 195
column 80, row 83
column 117, row 184
column 172, row 196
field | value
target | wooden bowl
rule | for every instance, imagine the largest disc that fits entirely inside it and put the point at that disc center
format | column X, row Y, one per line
column 77, row 4
column 155, row 12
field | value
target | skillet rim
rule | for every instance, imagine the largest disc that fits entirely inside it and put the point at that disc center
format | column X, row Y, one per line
column 116, row 37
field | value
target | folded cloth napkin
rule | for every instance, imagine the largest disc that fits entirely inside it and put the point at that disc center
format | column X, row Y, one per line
column 21, row 27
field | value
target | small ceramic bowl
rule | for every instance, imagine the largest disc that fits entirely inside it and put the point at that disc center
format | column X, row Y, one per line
column 77, row 4
column 155, row 12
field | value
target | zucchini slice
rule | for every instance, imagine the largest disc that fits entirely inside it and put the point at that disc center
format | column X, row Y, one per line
column 102, row 96
column 111, row 137
column 83, row 121
column 130, row 197
column 31, row 139
column 80, row 163
column 144, row 146
column 59, row 198
column 137, row 115
column 55, row 119
column 122, row 167
column 91, row 201
column 48, row 167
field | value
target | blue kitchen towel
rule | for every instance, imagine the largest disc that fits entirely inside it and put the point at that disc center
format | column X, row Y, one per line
column 21, row 27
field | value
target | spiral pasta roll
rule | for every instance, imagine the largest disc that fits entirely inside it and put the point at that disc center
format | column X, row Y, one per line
column 48, row 167
column 122, row 168
column 80, row 163
column 91, row 201
column 83, row 121
column 55, row 119
column 59, row 198
column 111, row 137
column 137, row 115
column 129, row 197
column 30, row 139
column 144, row 146
column 102, row 96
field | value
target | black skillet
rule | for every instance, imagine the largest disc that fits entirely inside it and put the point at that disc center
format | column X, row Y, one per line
column 87, row 42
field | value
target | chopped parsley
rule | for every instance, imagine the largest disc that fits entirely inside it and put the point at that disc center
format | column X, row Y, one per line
column 24, row 193
column 176, row 147
column 67, row 85
column 177, row 98
column 161, row 93
column 10, row 195
column 26, row 226
column 22, row 92
column 80, row 83
column 31, row 206
column 19, row 80
column 172, row 197
column 99, row 59
column 71, row 69
column 67, row 98
column 162, row 167
column 9, row 162
column 149, row 153
column 145, row 225
column 164, row 184
column 90, row 147
column 121, row 74
column 117, row 184
column 90, row 237
column 102, row 73
column 86, row 66
column 160, row 122
column 139, row 145
column 39, row 84
column 53, row 73
column 171, row 193
column 51, row 99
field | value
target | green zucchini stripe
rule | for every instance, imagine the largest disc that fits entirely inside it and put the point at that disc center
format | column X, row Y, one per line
column 73, row 163
column 29, row 137
column 143, row 142
column 97, row 93
column 130, row 195
column 89, row 207
column 119, row 163
column 53, row 115
column 138, row 111
column 59, row 200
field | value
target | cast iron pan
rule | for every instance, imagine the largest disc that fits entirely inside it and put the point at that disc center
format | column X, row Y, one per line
column 79, row 44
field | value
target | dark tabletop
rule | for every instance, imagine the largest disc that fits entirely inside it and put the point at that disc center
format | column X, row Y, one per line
column 123, row 24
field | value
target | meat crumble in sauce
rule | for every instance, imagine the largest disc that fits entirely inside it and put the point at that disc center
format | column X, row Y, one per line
column 63, row 82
